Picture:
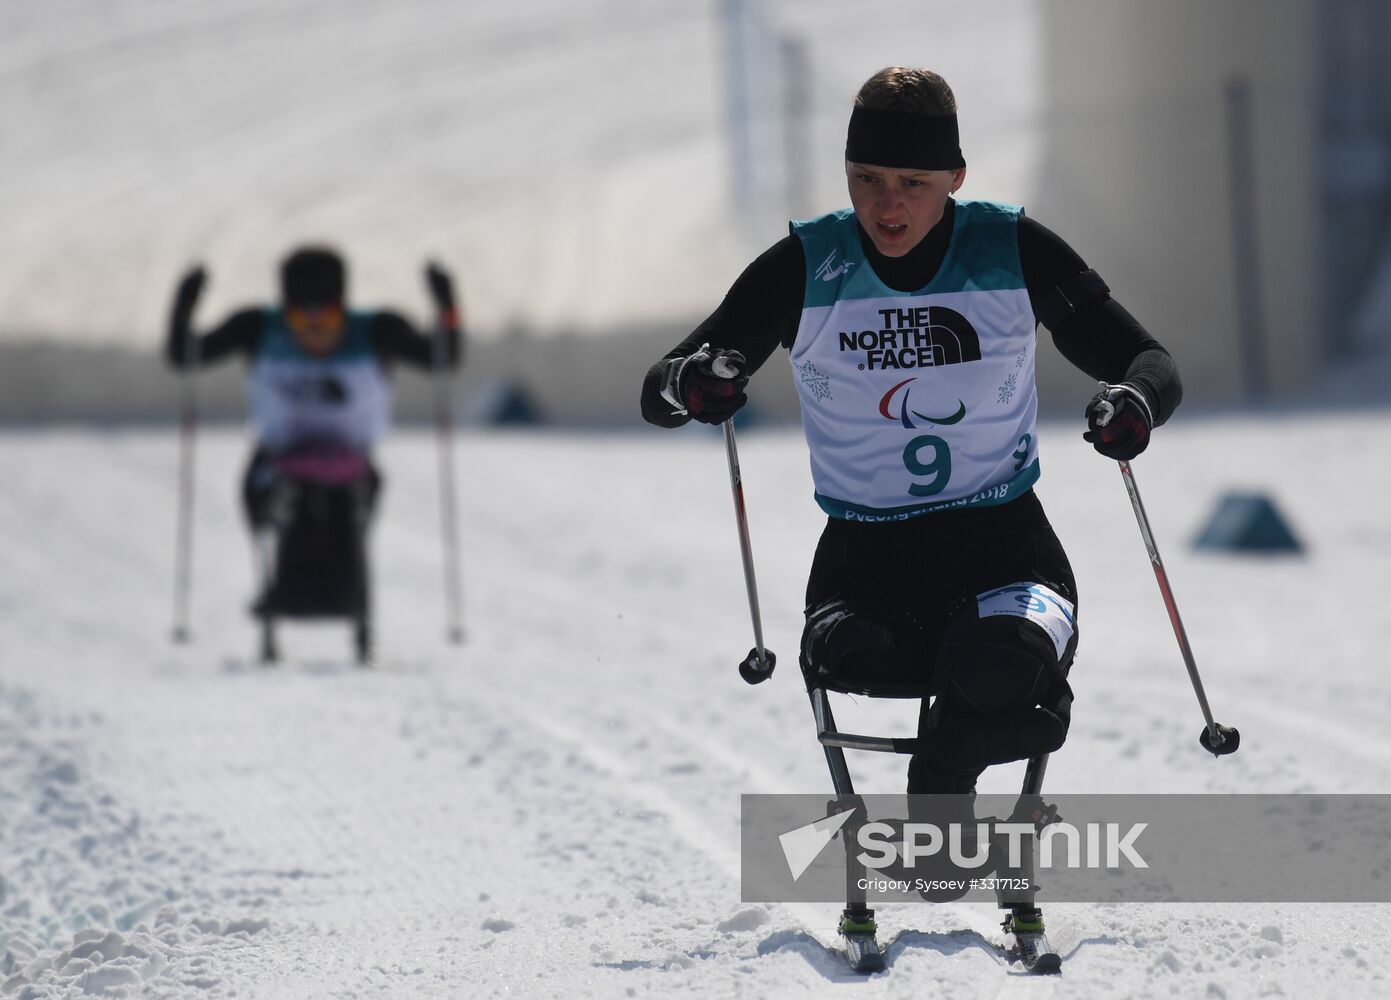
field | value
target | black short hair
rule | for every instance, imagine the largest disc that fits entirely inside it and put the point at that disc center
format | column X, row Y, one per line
column 313, row 276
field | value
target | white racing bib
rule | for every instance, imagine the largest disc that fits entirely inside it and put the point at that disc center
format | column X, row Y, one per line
column 296, row 397
column 914, row 402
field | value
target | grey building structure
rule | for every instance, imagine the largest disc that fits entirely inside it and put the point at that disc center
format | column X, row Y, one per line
column 1226, row 164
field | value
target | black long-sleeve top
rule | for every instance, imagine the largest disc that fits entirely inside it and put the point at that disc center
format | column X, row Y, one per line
column 394, row 338
column 763, row 309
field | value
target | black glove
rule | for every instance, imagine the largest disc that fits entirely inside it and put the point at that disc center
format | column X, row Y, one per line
column 707, row 384
column 190, row 287
column 441, row 286
column 181, row 340
column 1118, row 422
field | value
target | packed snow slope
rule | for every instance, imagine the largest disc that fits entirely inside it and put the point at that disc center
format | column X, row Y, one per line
column 551, row 809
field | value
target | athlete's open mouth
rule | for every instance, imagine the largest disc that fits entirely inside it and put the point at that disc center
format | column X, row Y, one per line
column 892, row 232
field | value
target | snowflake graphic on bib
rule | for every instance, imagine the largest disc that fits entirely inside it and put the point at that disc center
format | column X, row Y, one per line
column 816, row 380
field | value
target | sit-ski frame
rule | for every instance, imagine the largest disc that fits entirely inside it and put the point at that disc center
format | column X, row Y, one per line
column 835, row 743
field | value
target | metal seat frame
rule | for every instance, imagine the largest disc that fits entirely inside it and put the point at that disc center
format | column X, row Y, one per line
column 835, row 743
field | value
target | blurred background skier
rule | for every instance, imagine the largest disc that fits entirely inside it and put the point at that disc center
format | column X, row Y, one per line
column 910, row 323
column 319, row 396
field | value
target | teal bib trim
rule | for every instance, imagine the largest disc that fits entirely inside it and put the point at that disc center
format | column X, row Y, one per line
column 278, row 343
column 983, row 255
column 992, row 497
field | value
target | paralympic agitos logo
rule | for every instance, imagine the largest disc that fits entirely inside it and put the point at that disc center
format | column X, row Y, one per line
column 924, row 337
column 903, row 411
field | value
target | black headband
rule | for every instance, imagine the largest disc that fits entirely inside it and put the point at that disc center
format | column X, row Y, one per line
column 904, row 140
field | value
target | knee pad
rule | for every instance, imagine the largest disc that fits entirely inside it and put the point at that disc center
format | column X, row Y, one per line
column 1003, row 695
column 851, row 646
column 837, row 635
column 995, row 665
column 965, row 745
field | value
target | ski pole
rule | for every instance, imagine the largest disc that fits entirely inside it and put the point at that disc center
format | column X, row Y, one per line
column 183, row 542
column 444, row 425
column 758, row 665
column 1215, row 738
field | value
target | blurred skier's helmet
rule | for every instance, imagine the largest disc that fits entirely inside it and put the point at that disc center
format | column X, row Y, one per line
column 312, row 285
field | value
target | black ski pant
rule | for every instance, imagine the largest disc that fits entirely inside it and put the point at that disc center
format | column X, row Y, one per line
column 319, row 567
column 263, row 488
column 892, row 611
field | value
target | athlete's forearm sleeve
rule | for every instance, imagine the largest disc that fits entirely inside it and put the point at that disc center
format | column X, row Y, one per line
column 1100, row 336
column 237, row 334
column 761, row 311
column 395, row 338
column 1110, row 345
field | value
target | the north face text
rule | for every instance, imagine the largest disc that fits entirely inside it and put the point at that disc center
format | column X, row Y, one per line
column 922, row 337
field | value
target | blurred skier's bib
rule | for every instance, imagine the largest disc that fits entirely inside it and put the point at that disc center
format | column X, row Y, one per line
column 295, row 397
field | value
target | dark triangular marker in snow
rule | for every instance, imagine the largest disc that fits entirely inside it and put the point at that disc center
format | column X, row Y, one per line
column 1247, row 522
column 501, row 403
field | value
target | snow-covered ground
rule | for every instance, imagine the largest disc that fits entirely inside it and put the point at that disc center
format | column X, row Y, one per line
column 551, row 810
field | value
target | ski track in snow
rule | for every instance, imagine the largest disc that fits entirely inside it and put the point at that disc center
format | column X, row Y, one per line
column 552, row 809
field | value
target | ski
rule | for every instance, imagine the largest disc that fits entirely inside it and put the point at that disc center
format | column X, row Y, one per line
column 862, row 949
column 1031, row 948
